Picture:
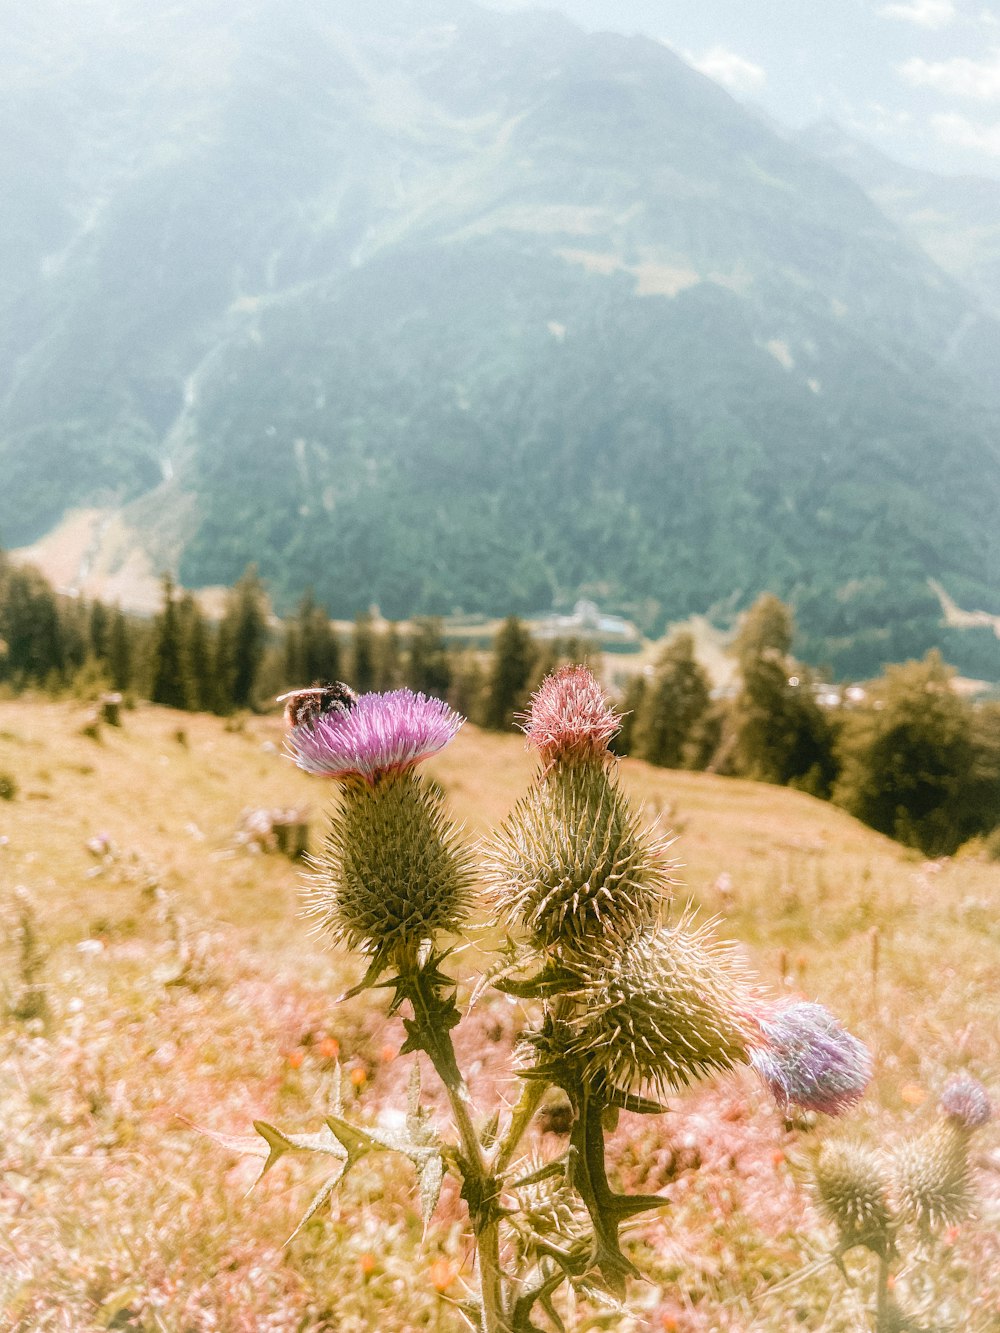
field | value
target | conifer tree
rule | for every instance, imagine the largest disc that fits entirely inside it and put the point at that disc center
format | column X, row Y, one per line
column 169, row 683
column 119, row 651
column 100, row 631
column 781, row 733
column 31, row 628
column 197, row 654
column 510, row 675
column 312, row 652
column 245, row 621
column 630, row 713
column 363, row 664
column 675, row 704
column 428, row 668
column 389, row 673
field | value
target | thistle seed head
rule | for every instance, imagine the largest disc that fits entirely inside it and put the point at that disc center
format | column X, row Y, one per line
column 572, row 867
column 853, row 1187
column 570, row 720
column 807, row 1059
column 392, row 872
column 374, row 735
column 966, row 1102
column 932, row 1177
column 672, row 1006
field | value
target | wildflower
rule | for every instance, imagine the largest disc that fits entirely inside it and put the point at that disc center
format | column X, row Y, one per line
column 359, row 1077
column 966, row 1102
column 377, row 735
column 569, row 719
column 807, row 1059
column 441, row 1274
column 328, row 1048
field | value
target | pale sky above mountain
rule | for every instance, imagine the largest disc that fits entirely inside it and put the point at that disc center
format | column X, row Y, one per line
column 920, row 79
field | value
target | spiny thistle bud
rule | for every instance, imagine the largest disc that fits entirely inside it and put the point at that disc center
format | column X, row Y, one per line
column 572, row 867
column 966, row 1102
column 392, row 871
column 672, row 1006
column 548, row 1210
column 569, row 720
column 807, row 1059
column 853, row 1186
column 371, row 735
column 932, row 1177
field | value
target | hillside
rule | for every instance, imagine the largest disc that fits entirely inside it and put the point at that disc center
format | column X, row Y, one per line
column 183, row 984
column 448, row 309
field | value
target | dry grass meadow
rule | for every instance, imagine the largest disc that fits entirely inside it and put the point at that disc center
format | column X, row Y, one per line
column 173, row 982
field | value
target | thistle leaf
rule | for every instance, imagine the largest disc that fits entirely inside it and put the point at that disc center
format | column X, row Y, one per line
column 319, row 1198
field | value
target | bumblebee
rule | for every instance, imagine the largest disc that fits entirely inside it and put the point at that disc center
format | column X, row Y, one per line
column 303, row 707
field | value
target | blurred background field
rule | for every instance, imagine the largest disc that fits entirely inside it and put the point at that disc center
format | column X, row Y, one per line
column 158, row 974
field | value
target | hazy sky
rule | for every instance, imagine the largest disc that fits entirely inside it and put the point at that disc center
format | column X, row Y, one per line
column 918, row 78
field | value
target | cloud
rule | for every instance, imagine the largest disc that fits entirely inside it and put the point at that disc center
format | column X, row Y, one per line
column 925, row 13
column 960, row 77
column 953, row 129
column 733, row 71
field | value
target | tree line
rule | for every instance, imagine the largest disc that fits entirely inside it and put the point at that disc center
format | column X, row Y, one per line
column 911, row 758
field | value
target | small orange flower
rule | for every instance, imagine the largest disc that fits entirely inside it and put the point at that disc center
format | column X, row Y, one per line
column 890, row 1282
column 668, row 1323
column 367, row 1264
column 913, row 1094
column 441, row 1274
column 328, row 1048
column 295, row 1059
column 387, row 1054
column 359, row 1078
column 951, row 1235
column 778, row 1156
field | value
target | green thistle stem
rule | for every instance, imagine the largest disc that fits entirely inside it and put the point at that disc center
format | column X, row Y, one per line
column 429, row 1030
column 883, row 1304
column 532, row 1092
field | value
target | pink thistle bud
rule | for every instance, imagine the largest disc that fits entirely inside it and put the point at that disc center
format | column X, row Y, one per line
column 808, row 1059
column 376, row 735
column 569, row 718
column 966, row 1101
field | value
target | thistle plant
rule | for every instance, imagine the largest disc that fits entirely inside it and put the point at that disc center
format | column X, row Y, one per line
column 896, row 1199
column 630, row 999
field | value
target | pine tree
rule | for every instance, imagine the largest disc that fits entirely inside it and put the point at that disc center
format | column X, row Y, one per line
column 119, row 651
column 428, row 668
column 363, row 665
column 245, row 620
column 31, row 628
column 781, row 733
column 100, row 631
column 197, row 654
column 631, row 709
column 676, row 702
column 510, row 675
column 389, row 673
column 169, row 683
column 316, row 647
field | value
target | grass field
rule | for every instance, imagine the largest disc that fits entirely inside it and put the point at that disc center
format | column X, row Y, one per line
column 177, row 984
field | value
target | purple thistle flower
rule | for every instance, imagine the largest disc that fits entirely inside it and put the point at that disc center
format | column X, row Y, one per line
column 966, row 1101
column 378, row 734
column 809, row 1060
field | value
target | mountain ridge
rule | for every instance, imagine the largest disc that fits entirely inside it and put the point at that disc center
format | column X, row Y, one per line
column 487, row 313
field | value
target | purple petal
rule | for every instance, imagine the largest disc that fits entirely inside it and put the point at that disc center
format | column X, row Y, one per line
column 809, row 1060
column 381, row 733
column 967, row 1101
